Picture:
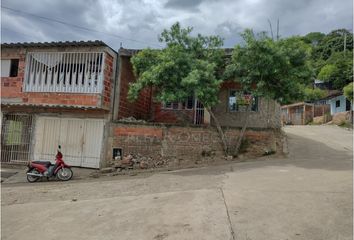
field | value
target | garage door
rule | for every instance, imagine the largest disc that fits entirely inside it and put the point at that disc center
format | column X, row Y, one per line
column 80, row 140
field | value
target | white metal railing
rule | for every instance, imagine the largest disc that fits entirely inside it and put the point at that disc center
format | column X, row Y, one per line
column 75, row 72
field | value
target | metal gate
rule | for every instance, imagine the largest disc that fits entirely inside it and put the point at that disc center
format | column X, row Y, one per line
column 16, row 138
column 80, row 140
column 198, row 113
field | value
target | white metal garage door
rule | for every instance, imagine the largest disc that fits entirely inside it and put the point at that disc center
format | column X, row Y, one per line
column 80, row 140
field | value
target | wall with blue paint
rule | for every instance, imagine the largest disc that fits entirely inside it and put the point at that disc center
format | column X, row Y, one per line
column 342, row 104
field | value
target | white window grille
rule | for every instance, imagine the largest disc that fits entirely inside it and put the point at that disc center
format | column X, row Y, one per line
column 74, row 72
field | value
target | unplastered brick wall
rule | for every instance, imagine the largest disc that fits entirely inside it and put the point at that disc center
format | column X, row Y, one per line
column 140, row 108
column 162, row 115
column 12, row 87
column 181, row 146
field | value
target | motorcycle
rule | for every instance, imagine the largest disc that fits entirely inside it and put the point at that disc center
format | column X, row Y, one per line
column 45, row 169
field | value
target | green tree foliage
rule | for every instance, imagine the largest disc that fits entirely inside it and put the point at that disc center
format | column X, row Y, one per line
column 187, row 66
column 338, row 69
column 271, row 69
column 311, row 94
column 334, row 42
column 348, row 91
column 314, row 38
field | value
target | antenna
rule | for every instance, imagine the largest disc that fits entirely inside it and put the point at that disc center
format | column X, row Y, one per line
column 271, row 29
column 278, row 29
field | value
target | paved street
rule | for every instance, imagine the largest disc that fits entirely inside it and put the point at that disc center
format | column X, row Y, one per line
column 307, row 195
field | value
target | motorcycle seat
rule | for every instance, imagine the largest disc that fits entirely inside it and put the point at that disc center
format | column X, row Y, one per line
column 45, row 163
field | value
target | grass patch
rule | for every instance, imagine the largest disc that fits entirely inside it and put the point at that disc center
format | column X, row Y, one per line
column 345, row 125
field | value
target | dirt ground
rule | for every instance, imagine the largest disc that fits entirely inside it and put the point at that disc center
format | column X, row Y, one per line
column 307, row 195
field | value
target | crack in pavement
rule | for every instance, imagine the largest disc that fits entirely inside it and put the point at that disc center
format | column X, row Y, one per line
column 228, row 215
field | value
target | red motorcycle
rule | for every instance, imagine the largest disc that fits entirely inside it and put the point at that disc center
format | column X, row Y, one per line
column 40, row 169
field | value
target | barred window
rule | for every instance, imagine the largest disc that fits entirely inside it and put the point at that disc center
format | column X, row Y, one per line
column 238, row 101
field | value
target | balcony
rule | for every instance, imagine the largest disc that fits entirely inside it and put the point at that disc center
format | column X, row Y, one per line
column 66, row 72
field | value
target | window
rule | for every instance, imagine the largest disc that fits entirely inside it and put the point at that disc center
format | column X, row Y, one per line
column 238, row 101
column 187, row 105
column 9, row 67
column 14, row 68
column 337, row 103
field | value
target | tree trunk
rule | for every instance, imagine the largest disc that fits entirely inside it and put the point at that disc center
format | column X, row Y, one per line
column 220, row 131
column 242, row 133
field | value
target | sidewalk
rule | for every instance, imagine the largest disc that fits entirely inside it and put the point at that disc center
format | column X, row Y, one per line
column 18, row 174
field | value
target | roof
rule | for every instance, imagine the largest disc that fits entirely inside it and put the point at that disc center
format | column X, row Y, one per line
column 128, row 52
column 49, row 105
column 332, row 94
column 297, row 104
column 96, row 43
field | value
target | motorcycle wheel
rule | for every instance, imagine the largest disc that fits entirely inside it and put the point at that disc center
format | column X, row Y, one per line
column 33, row 179
column 64, row 174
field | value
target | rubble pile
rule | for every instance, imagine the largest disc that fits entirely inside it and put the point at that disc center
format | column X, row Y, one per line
column 137, row 162
column 132, row 120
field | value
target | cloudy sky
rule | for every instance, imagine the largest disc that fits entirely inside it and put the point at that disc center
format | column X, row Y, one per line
column 137, row 23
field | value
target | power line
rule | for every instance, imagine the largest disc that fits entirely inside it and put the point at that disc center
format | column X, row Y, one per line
column 8, row 29
column 74, row 25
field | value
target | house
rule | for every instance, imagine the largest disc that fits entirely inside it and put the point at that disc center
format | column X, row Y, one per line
column 56, row 93
column 299, row 113
column 178, row 134
column 339, row 103
column 230, row 111
column 74, row 94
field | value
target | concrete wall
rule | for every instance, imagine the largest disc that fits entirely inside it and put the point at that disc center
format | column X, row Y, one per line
column 267, row 116
column 177, row 146
column 12, row 87
column 341, row 108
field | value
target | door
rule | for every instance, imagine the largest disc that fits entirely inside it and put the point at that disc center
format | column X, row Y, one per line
column 80, row 140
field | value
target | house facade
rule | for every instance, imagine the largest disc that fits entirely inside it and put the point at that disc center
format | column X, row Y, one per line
column 74, row 94
column 58, row 93
column 230, row 110
column 338, row 104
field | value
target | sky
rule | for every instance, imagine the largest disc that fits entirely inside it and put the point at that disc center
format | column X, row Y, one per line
column 137, row 23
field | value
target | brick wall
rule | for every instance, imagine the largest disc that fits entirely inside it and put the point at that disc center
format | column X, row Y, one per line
column 171, row 116
column 267, row 115
column 107, row 82
column 179, row 146
column 12, row 87
column 139, row 109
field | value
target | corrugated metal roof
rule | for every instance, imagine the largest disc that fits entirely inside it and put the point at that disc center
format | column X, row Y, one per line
column 297, row 104
column 55, row 44
column 49, row 105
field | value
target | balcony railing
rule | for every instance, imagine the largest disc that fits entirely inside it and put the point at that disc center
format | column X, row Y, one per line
column 74, row 72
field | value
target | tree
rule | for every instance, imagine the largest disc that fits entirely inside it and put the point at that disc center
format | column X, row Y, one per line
column 271, row 69
column 187, row 66
column 335, row 41
column 311, row 94
column 348, row 91
column 338, row 69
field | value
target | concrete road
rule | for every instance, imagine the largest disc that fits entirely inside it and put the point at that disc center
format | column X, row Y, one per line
column 305, row 196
